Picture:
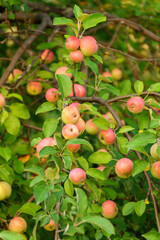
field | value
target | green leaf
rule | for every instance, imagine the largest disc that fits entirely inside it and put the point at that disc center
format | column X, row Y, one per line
column 12, row 124
column 93, row 66
column 152, row 235
column 41, row 192
column 45, row 107
column 35, row 141
column 68, row 187
column 82, row 202
column 125, row 129
column 15, row 95
column 112, row 89
column 100, row 222
column 110, row 193
column 93, row 19
column 128, row 208
column 139, row 167
column 95, row 173
column 99, row 58
column 18, row 166
column 94, row 189
column 154, row 88
column 6, row 153
column 29, row 208
column 143, row 120
column 44, row 74
column 63, row 21
column 83, row 162
column 46, row 45
column 100, row 158
column 47, row 151
column 142, row 139
column 102, row 123
column 35, row 169
column 20, row 110
column 122, row 143
column 3, row 116
column 80, row 141
column 77, row 11
column 65, row 85
column 8, row 235
column 7, row 173
column 140, row 207
column 139, row 86
column 50, row 126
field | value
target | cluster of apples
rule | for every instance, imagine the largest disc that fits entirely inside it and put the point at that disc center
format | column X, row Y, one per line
column 116, row 74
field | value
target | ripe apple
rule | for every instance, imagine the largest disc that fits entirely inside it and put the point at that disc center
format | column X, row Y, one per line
column 75, row 104
column 155, row 170
column 77, row 176
column 48, row 141
column 52, row 95
column 135, row 104
column 18, row 225
column 47, row 56
column 101, row 168
column 111, row 119
column 34, row 88
column 74, row 147
column 81, row 125
column 107, row 137
column 106, row 74
column 2, row 100
column 91, row 128
column 5, row 190
column 16, row 72
column 76, row 56
column 102, row 150
column 62, row 70
column 88, row 46
column 116, row 74
column 70, row 131
column 80, row 91
column 72, row 43
column 124, row 167
column 153, row 151
column 51, row 226
column 109, row 209
column 70, row 115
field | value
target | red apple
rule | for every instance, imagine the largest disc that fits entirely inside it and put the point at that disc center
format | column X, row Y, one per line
column 70, row 115
column 72, row 43
column 81, row 125
column 107, row 137
column 155, row 170
column 76, row 56
column 116, row 74
column 75, row 104
column 135, row 104
column 124, row 167
column 62, row 70
column 47, row 56
column 48, row 141
column 80, row 91
column 88, row 46
column 106, row 74
column 5, row 190
column 2, row 100
column 51, row 226
column 70, row 131
column 109, row 209
column 91, row 128
column 34, row 88
column 102, row 150
column 77, row 176
column 18, row 225
column 153, row 151
column 52, row 95
column 74, row 147
column 101, row 168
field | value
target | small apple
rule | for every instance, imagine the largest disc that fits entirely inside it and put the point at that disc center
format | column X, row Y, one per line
column 72, row 43
column 88, row 46
column 70, row 115
column 34, row 88
column 81, row 125
column 70, row 131
column 74, row 147
column 91, row 128
column 102, row 150
column 62, row 70
column 135, row 104
column 2, row 100
column 77, row 176
column 76, row 56
column 16, row 72
column 18, row 225
column 107, row 137
column 51, row 226
column 106, row 74
column 5, row 190
column 116, row 74
column 124, row 167
column 109, row 209
column 153, row 151
column 52, row 95
column 47, row 56
column 155, row 170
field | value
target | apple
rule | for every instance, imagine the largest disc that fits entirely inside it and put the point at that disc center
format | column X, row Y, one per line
column 75, row 104
column 70, row 131
column 34, row 88
column 135, row 104
column 72, row 43
column 5, row 190
column 155, row 170
column 109, row 209
column 91, row 128
column 77, row 176
column 102, row 150
column 106, row 74
column 52, row 95
column 18, row 225
column 2, row 100
column 16, row 72
column 74, row 147
column 153, row 151
column 80, row 91
column 81, row 125
column 101, row 168
column 107, row 137
column 48, row 141
column 76, row 56
column 62, row 70
column 88, row 46
column 25, row 158
column 51, row 226
column 124, row 167
column 116, row 74
column 70, row 115
column 111, row 119
column 47, row 56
